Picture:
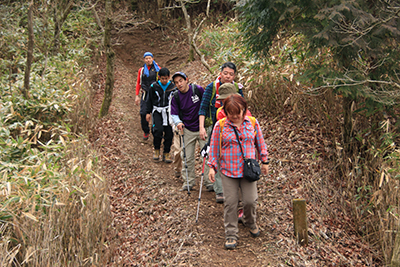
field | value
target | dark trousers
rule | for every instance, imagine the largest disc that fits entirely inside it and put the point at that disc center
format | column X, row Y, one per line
column 143, row 122
column 159, row 131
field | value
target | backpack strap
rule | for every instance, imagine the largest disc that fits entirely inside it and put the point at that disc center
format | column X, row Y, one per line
column 221, row 127
column 218, row 111
column 253, row 122
column 214, row 92
column 178, row 102
column 196, row 91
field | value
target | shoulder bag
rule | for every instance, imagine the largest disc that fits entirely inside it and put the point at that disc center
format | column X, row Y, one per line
column 251, row 168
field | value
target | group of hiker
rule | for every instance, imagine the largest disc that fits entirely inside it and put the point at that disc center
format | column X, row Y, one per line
column 217, row 118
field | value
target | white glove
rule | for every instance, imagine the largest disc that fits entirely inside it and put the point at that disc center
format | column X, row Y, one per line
column 205, row 150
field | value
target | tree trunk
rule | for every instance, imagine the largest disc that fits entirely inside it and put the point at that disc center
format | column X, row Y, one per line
column 161, row 4
column 60, row 15
column 189, row 30
column 109, row 86
column 29, row 58
column 236, row 11
column 56, row 40
column 203, row 60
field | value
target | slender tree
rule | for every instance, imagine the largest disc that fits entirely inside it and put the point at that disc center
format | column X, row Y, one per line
column 109, row 86
column 192, row 34
column 61, row 11
column 29, row 58
column 188, row 28
column 193, row 44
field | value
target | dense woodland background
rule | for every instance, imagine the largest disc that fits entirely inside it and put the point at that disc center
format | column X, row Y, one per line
column 334, row 62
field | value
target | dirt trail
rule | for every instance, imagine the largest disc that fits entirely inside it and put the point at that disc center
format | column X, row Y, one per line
column 154, row 222
column 153, row 219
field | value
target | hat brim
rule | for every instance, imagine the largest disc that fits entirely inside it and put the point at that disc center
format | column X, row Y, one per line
column 225, row 96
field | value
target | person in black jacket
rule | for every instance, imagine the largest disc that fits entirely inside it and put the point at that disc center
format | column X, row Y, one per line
column 146, row 76
column 157, row 106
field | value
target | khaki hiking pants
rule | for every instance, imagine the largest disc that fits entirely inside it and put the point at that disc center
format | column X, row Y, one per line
column 231, row 188
column 190, row 140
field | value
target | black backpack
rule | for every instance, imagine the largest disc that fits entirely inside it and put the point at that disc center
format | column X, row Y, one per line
column 195, row 91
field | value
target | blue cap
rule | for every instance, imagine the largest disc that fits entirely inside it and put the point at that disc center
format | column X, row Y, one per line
column 179, row 73
column 148, row 54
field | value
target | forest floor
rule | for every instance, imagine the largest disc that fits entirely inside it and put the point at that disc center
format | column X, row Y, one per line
column 154, row 222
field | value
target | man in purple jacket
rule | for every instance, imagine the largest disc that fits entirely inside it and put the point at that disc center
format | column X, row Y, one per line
column 185, row 106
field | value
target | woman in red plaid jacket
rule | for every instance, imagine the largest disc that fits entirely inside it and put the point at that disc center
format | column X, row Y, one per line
column 227, row 158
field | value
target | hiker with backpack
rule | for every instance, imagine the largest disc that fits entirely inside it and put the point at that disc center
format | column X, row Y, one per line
column 207, row 114
column 146, row 76
column 157, row 106
column 232, row 135
column 185, row 106
column 226, row 90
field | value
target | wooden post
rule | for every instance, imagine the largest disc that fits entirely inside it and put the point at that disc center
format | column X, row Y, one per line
column 396, row 251
column 300, row 221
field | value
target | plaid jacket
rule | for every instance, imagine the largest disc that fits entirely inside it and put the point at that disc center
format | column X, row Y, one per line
column 231, row 160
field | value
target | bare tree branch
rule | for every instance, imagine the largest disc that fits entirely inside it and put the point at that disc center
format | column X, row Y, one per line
column 356, row 29
column 197, row 49
column 96, row 16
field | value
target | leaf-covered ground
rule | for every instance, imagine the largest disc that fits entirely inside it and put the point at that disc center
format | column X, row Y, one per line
column 154, row 222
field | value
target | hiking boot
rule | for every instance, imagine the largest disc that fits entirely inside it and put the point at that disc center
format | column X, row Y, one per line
column 240, row 216
column 156, row 155
column 254, row 231
column 167, row 158
column 230, row 243
column 146, row 136
column 210, row 188
column 219, row 198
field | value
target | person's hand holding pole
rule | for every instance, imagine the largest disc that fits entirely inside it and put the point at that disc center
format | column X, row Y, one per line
column 180, row 127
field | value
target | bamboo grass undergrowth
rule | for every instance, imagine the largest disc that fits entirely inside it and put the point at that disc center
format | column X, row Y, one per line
column 54, row 206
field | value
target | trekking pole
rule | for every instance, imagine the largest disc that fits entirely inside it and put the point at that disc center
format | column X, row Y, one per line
column 186, row 166
column 201, row 185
